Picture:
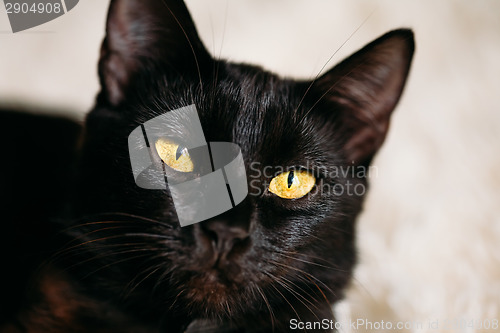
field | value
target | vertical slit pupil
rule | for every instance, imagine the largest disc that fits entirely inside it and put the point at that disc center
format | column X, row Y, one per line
column 179, row 152
column 290, row 178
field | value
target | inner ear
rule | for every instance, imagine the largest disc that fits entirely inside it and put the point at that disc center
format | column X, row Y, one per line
column 365, row 89
column 147, row 35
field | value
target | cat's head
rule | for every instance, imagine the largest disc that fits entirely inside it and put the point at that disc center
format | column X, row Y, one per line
column 326, row 130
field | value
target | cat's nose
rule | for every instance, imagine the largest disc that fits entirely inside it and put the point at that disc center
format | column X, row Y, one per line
column 226, row 237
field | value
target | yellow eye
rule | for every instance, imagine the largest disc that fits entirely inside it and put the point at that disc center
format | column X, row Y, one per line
column 175, row 156
column 292, row 184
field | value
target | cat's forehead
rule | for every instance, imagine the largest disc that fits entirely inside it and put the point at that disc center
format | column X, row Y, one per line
column 268, row 117
column 255, row 108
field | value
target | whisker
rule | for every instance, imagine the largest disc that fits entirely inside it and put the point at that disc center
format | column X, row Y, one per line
column 329, row 89
column 303, row 272
column 176, row 298
column 218, row 57
column 311, row 262
column 283, row 296
column 319, row 289
column 137, row 218
column 228, row 309
column 83, row 236
column 310, row 279
column 309, row 256
column 331, row 57
column 290, row 282
column 131, row 286
column 162, row 278
column 268, row 305
column 65, row 251
column 296, row 295
column 86, row 224
column 133, row 216
column 77, row 246
column 189, row 42
column 114, row 263
column 214, row 67
column 109, row 254
column 149, row 235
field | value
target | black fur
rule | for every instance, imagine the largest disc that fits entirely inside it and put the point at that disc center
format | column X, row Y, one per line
column 122, row 249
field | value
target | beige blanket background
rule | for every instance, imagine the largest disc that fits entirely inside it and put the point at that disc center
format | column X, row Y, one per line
column 429, row 238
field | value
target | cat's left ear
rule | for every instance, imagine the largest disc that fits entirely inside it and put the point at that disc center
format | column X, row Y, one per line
column 365, row 88
column 144, row 35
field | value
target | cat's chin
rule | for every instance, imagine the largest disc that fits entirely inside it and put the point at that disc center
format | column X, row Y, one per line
column 210, row 285
column 212, row 292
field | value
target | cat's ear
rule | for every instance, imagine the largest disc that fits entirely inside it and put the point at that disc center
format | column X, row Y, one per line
column 365, row 88
column 147, row 35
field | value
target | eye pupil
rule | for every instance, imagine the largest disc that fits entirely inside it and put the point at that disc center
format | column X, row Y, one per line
column 174, row 155
column 178, row 152
column 292, row 184
column 290, row 178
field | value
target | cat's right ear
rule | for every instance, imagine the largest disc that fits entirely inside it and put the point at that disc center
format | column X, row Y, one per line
column 364, row 89
column 147, row 35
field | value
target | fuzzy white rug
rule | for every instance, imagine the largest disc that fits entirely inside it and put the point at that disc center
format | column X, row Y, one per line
column 430, row 233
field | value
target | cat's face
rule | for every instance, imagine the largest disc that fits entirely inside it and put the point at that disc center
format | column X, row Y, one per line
column 270, row 250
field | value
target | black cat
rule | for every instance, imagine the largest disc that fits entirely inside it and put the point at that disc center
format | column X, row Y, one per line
column 109, row 256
